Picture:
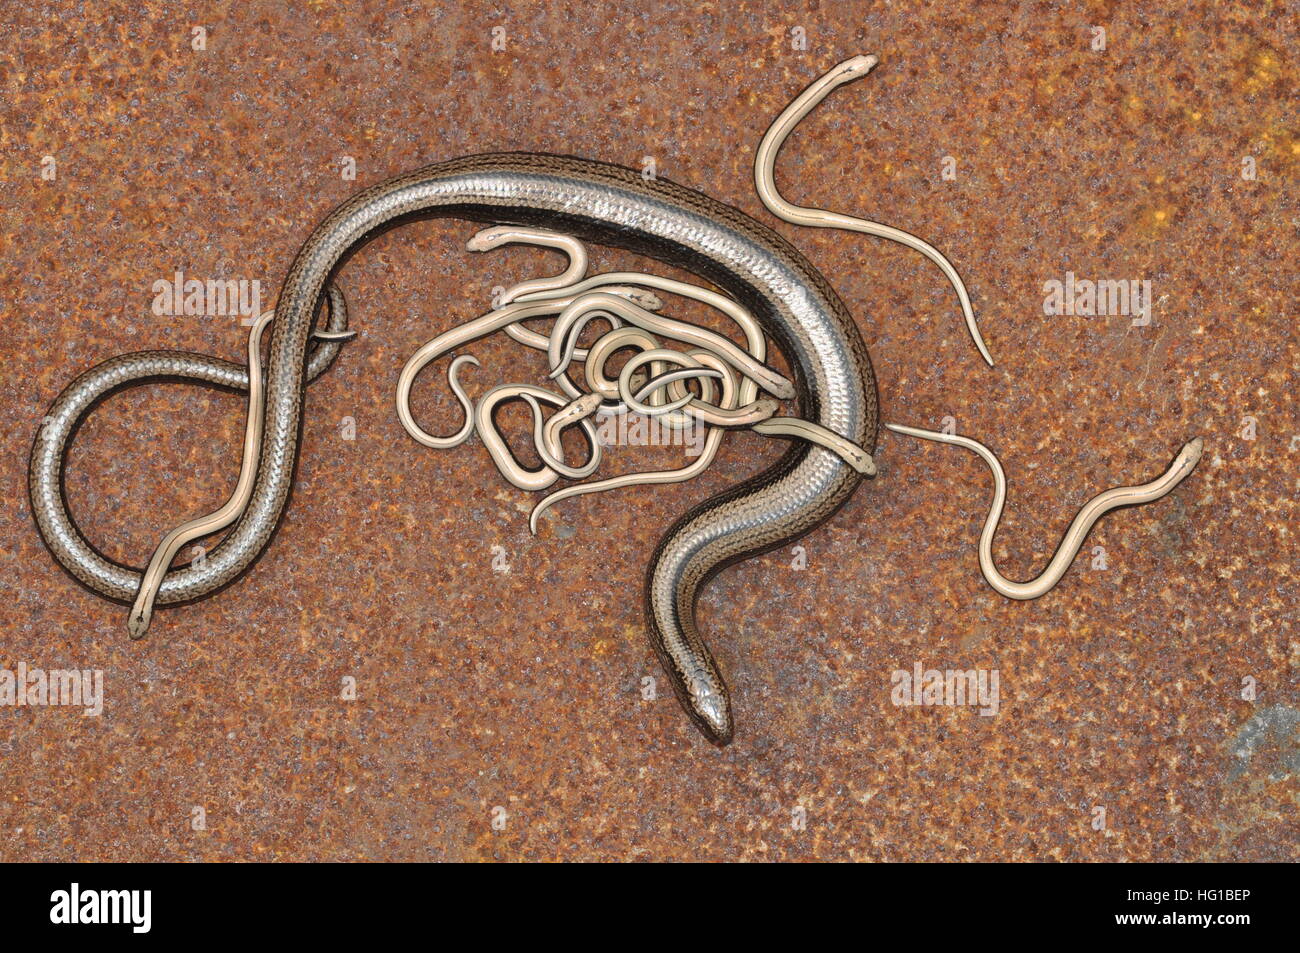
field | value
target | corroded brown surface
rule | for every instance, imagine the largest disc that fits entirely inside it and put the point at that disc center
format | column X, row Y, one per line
column 522, row 690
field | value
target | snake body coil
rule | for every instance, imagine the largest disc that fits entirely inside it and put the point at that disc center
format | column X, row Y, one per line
column 606, row 204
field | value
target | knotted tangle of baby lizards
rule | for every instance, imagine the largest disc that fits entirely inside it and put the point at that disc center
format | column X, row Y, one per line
column 732, row 382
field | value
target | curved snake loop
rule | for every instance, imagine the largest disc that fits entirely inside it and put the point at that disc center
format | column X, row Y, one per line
column 547, row 436
column 498, row 235
column 570, row 353
column 575, row 251
column 675, row 389
column 601, row 350
column 748, row 415
column 755, row 341
column 709, row 450
column 632, row 386
column 526, row 478
column 136, row 368
column 1091, row 511
column 671, row 385
column 656, row 357
column 465, row 334
column 466, row 405
column 771, row 381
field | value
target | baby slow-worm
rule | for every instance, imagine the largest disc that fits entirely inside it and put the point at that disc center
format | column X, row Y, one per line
column 1083, row 521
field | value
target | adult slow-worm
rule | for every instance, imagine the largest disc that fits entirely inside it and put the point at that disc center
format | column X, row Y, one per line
column 536, row 198
column 831, row 372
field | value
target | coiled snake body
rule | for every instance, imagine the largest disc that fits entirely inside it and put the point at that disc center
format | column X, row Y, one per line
column 833, row 382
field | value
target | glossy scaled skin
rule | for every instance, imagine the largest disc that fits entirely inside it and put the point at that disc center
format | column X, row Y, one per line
column 45, row 480
column 609, row 205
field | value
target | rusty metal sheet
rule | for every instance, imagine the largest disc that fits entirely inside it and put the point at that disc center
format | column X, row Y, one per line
column 1147, row 706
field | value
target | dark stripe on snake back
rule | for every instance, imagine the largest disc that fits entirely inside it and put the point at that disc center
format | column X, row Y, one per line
column 613, row 206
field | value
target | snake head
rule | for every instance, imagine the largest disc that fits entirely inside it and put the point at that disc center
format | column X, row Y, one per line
column 1190, row 455
column 488, row 238
column 138, row 623
column 766, row 407
column 578, row 409
column 641, row 297
column 858, row 66
column 710, row 709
